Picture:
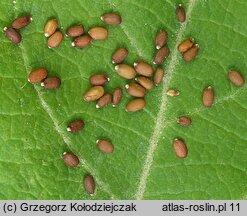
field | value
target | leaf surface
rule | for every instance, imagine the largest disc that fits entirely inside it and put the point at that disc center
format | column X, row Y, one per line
column 143, row 166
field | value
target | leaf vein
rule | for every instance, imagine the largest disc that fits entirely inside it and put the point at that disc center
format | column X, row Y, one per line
column 160, row 123
column 59, row 130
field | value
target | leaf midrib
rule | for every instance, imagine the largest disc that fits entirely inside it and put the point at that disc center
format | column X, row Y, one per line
column 160, row 119
column 165, row 85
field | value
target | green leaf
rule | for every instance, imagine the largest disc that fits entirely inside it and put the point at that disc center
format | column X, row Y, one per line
column 143, row 165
